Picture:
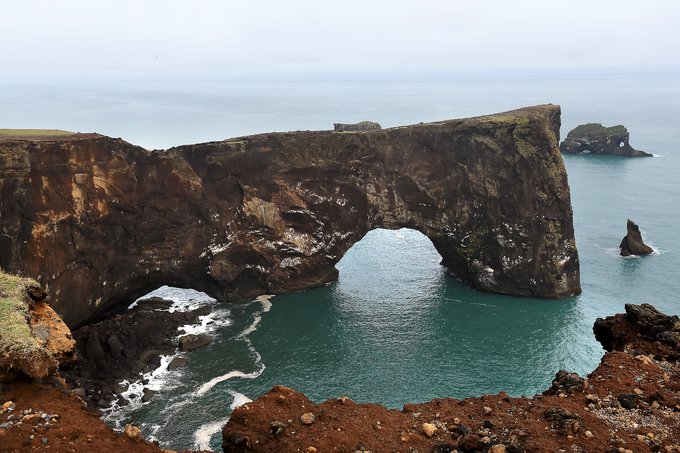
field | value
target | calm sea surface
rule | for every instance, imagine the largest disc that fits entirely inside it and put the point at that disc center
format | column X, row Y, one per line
column 394, row 328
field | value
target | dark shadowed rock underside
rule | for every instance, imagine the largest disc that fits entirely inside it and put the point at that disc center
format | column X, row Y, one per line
column 100, row 222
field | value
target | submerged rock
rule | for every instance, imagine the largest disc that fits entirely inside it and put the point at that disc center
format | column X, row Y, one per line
column 597, row 139
column 632, row 243
column 177, row 362
column 148, row 394
column 191, row 342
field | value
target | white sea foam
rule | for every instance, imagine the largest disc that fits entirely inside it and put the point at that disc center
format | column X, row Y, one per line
column 239, row 399
column 205, row 432
column 156, row 380
column 161, row 378
column 209, row 323
column 265, row 300
column 203, row 389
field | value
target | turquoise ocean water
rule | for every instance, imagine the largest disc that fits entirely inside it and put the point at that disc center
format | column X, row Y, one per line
column 395, row 328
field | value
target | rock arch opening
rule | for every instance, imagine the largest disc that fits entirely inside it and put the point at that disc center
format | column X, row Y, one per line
column 388, row 264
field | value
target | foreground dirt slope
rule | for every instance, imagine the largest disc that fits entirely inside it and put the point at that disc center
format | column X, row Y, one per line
column 68, row 427
column 629, row 403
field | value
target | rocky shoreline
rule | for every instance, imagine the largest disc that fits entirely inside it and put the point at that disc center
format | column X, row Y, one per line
column 125, row 346
column 630, row 403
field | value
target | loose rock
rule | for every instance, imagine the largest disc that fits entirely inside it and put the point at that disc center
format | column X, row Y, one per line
column 133, row 433
column 307, row 418
column 429, row 429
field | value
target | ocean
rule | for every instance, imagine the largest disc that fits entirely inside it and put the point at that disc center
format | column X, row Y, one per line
column 395, row 327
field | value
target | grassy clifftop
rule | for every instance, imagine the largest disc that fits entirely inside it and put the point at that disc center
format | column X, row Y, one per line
column 16, row 335
column 33, row 338
column 33, row 134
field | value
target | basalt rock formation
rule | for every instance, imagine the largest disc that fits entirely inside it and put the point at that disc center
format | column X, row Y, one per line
column 123, row 346
column 632, row 243
column 597, row 139
column 628, row 403
column 100, row 222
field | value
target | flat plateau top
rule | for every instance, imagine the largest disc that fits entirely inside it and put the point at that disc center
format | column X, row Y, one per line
column 34, row 134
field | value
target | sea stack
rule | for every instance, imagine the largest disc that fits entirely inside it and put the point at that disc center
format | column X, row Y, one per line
column 596, row 139
column 632, row 242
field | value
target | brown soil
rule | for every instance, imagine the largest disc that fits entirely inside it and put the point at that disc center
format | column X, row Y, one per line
column 76, row 429
column 629, row 403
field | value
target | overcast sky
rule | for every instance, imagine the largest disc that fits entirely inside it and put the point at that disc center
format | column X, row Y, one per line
column 351, row 36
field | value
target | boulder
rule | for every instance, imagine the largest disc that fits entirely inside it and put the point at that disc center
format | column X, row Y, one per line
column 177, row 362
column 632, row 243
column 596, row 139
column 191, row 342
column 133, row 433
column 148, row 394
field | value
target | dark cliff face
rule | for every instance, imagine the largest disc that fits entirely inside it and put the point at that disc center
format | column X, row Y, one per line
column 101, row 222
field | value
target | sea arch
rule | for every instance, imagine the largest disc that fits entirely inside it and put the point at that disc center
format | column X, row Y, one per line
column 101, row 222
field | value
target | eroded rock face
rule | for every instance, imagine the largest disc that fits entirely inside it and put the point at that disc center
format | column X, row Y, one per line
column 101, row 222
column 632, row 243
column 597, row 139
column 34, row 341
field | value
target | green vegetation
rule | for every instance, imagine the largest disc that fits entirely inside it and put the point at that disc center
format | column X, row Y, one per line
column 32, row 134
column 15, row 331
column 597, row 131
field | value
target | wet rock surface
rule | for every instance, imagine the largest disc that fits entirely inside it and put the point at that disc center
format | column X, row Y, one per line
column 631, row 402
column 191, row 342
column 101, row 222
column 597, row 139
column 125, row 345
column 632, row 243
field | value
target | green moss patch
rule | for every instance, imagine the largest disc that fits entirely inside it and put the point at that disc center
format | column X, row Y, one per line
column 15, row 332
column 597, row 131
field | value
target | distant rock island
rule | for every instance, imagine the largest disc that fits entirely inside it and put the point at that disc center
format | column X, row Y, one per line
column 632, row 242
column 361, row 126
column 597, row 139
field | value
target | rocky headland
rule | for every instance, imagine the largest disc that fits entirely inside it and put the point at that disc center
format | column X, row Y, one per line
column 100, row 222
column 597, row 139
column 630, row 403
